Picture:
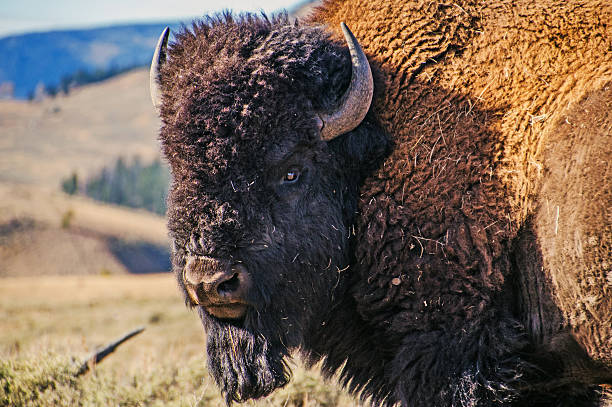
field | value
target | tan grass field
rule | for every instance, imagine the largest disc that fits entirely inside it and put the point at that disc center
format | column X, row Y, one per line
column 47, row 320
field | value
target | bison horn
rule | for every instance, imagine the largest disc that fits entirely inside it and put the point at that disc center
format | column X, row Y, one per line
column 355, row 102
column 159, row 57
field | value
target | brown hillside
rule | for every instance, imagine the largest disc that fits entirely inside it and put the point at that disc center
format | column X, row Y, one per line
column 42, row 142
column 47, row 232
column 43, row 231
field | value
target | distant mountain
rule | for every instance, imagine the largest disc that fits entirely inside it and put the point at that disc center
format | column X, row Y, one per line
column 83, row 56
column 31, row 59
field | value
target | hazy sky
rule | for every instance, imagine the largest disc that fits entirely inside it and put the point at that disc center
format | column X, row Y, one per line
column 18, row 16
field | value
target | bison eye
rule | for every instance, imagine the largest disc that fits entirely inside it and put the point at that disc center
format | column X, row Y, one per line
column 291, row 176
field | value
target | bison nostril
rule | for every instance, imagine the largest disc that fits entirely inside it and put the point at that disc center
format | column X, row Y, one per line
column 229, row 286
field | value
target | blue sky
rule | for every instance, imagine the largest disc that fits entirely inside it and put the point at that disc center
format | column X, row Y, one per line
column 19, row 16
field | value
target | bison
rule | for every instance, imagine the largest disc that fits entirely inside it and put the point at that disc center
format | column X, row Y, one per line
column 426, row 214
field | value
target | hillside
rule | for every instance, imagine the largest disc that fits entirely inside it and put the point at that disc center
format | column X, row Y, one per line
column 44, row 232
column 42, row 142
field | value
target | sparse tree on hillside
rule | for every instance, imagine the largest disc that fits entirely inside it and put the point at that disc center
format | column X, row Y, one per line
column 134, row 185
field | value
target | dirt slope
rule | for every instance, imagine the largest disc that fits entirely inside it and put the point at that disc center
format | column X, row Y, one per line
column 47, row 232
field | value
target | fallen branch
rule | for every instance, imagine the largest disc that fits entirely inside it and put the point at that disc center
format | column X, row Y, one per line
column 97, row 357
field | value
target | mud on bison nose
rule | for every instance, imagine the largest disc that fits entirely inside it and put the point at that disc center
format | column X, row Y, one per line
column 219, row 286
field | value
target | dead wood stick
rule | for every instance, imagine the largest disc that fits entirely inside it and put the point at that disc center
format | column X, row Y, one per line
column 97, row 356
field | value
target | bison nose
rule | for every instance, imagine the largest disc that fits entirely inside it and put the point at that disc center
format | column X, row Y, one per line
column 225, row 285
column 218, row 286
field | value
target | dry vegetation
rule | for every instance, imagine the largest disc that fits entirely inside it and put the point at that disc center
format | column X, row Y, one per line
column 47, row 321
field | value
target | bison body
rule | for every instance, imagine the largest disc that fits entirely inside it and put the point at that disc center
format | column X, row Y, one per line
column 452, row 248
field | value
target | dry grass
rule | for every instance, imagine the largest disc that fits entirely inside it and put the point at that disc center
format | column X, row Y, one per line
column 45, row 321
column 49, row 206
column 75, row 314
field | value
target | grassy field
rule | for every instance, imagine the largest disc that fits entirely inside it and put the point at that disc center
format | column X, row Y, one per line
column 48, row 324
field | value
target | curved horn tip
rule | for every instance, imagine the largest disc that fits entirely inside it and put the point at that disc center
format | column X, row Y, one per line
column 159, row 57
column 345, row 29
column 348, row 35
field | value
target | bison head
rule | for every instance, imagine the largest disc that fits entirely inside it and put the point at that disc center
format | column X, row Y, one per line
column 263, row 126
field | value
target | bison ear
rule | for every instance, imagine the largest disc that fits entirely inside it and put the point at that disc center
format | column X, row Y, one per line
column 159, row 57
column 363, row 149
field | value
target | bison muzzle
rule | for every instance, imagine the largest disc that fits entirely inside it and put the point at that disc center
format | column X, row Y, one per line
column 220, row 287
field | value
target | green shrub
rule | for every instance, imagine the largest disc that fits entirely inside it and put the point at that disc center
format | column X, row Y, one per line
column 67, row 218
column 70, row 185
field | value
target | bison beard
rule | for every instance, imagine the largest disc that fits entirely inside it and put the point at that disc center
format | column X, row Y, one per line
column 247, row 358
column 244, row 364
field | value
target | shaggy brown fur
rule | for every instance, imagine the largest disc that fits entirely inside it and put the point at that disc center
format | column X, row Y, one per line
column 470, row 264
column 485, row 103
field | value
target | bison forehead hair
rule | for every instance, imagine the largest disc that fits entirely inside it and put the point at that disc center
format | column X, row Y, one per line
column 254, row 184
column 233, row 87
column 240, row 102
